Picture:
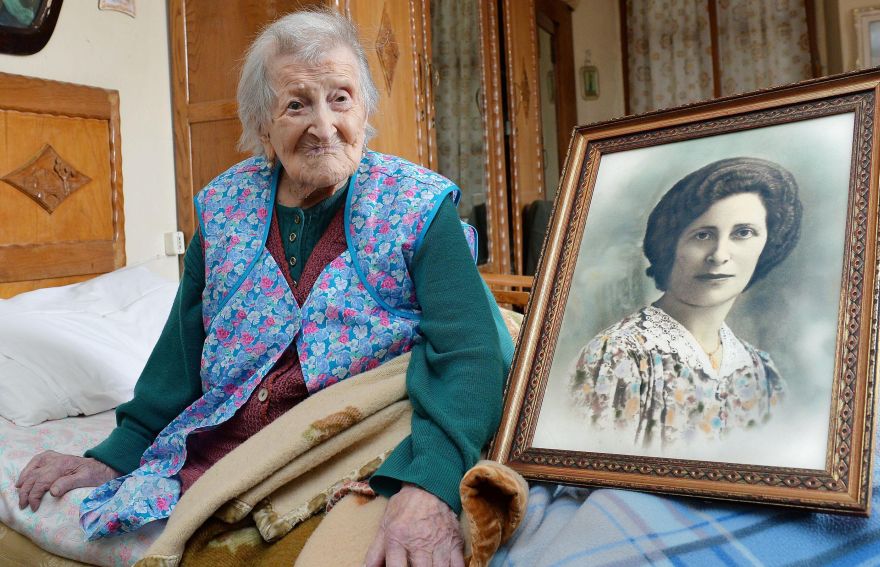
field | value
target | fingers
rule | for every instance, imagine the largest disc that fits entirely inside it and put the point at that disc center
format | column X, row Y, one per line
column 28, row 470
column 376, row 553
column 457, row 559
column 34, row 480
column 60, row 474
column 449, row 554
column 35, row 497
column 395, row 556
column 418, row 527
column 66, row 483
column 24, row 491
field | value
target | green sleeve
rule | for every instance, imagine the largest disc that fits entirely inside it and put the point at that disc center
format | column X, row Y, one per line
column 170, row 380
column 456, row 374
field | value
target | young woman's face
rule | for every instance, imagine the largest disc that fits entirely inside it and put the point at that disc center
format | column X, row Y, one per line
column 717, row 253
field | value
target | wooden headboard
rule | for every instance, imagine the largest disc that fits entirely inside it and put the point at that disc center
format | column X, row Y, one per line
column 61, row 218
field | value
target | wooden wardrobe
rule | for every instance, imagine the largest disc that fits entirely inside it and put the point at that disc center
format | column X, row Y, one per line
column 208, row 39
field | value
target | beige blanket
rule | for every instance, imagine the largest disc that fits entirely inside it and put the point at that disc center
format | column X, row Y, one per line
column 285, row 473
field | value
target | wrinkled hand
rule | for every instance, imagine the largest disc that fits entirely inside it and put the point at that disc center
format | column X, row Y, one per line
column 58, row 474
column 420, row 527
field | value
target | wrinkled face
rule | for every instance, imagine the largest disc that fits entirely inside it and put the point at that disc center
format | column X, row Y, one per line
column 319, row 121
column 717, row 253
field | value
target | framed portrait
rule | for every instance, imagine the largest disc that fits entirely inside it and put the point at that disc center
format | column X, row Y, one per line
column 704, row 315
column 27, row 25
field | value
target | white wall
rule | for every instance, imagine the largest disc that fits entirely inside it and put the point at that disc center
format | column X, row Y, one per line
column 111, row 50
column 596, row 26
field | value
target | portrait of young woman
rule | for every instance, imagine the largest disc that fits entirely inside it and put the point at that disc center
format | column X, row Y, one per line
column 702, row 314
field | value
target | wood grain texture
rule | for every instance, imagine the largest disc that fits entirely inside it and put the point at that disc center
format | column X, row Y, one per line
column 624, row 52
column 510, row 289
column 47, row 178
column 85, row 214
column 84, row 235
column 208, row 40
column 27, row 94
column 402, row 117
column 211, row 151
column 55, row 260
column 525, row 146
column 559, row 13
column 497, row 225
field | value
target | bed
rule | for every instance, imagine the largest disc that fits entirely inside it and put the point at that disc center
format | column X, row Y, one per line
column 68, row 353
column 68, row 356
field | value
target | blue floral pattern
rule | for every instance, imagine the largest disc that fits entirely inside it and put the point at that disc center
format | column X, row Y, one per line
column 361, row 312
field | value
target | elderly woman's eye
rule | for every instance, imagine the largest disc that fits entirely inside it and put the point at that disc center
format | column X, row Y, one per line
column 294, row 105
column 341, row 98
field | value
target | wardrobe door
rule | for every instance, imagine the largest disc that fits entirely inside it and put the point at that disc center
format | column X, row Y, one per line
column 488, row 127
column 396, row 37
column 467, row 88
column 208, row 39
column 525, row 147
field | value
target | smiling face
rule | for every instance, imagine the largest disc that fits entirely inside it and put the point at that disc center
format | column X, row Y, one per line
column 318, row 121
column 717, row 253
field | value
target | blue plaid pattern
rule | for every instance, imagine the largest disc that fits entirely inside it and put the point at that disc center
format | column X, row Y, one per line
column 567, row 526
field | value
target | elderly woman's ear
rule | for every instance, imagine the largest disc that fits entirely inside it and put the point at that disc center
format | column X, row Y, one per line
column 268, row 149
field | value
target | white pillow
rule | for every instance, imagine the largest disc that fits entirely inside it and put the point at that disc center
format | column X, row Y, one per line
column 79, row 349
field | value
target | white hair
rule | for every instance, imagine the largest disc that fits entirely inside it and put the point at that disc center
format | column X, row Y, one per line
column 308, row 36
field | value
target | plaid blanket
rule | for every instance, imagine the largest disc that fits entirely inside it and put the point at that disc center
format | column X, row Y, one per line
column 570, row 526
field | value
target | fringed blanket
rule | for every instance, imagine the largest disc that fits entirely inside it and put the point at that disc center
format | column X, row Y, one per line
column 270, row 488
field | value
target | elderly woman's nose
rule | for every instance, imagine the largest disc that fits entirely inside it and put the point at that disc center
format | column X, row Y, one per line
column 322, row 126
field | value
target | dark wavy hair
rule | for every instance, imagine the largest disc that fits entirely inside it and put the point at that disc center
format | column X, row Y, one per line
column 692, row 196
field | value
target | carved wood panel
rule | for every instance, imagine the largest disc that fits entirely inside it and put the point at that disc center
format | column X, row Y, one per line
column 396, row 38
column 497, row 224
column 47, row 179
column 61, row 216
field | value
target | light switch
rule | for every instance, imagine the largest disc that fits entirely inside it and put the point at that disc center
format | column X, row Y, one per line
column 174, row 243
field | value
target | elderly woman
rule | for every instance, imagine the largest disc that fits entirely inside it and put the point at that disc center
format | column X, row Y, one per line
column 315, row 260
column 674, row 371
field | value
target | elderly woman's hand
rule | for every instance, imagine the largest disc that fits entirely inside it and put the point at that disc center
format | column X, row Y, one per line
column 419, row 527
column 58, row 474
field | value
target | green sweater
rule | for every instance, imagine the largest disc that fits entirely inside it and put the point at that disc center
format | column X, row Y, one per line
column 455, row 378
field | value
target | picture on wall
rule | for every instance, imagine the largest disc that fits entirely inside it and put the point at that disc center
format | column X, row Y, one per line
column 703, row 317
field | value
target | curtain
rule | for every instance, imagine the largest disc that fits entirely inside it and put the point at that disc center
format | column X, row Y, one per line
column 762, row 44
column 456, row 49
column 670, row 53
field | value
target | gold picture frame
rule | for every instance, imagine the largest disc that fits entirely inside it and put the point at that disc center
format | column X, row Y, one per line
column 608, row 389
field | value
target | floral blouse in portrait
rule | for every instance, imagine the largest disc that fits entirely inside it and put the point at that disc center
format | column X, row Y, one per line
column 647, row 378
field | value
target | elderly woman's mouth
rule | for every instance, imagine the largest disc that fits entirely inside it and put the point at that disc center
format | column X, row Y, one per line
column 317, row 151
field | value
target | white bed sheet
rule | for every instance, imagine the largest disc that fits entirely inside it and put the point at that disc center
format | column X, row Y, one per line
column 55, row 526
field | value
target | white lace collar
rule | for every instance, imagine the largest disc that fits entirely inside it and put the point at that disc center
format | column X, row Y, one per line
column 664, row 333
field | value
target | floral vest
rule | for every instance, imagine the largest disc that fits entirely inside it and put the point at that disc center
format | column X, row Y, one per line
column 361, row 312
